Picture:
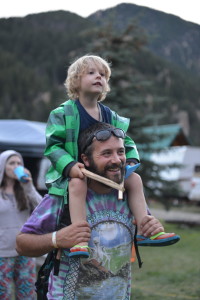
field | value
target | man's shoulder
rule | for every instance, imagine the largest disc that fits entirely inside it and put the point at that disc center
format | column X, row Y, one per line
column 43, row 218
column 49, row 201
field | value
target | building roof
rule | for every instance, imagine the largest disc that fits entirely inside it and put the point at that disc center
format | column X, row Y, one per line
column 26, row 137
column 167, row 136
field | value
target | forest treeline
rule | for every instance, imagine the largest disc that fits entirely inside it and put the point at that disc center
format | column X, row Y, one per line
column 35, row 52
column 147, row 86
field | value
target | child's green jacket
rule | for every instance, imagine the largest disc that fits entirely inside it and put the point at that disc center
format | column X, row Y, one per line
column 62, row 133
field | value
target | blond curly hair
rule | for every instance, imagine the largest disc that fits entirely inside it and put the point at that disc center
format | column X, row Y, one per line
column 77, row 69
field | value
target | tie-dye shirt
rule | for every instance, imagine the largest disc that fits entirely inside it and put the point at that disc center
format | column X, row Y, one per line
column 106, row 274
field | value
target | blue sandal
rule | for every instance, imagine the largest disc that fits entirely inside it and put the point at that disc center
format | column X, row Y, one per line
column 158, row 240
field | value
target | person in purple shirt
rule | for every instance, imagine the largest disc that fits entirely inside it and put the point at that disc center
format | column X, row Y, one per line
column 109, row 229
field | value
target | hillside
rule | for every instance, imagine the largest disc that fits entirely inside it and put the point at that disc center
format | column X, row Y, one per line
column 169, row 36
column 35, row 52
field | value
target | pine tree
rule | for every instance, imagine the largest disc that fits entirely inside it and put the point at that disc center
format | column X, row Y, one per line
column 133, row 95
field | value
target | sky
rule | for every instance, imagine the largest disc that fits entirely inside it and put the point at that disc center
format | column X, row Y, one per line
column 186, row 9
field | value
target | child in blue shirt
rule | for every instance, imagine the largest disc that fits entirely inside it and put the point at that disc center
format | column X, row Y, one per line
column 87, row 84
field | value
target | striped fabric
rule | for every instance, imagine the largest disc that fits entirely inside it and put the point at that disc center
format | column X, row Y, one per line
column 21, row 271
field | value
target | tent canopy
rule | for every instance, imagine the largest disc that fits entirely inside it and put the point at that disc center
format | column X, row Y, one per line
column 26, row 137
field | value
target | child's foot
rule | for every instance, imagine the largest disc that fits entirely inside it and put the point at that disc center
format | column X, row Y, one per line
column 157, row 240
column 80, row 251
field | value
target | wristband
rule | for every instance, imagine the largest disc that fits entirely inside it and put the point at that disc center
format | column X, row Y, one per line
column 54, row 239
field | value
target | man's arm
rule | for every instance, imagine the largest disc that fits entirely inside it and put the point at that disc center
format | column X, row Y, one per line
column 34, row 245
column 151, row 226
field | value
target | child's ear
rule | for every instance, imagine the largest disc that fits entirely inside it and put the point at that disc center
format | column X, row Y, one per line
column 85, row 160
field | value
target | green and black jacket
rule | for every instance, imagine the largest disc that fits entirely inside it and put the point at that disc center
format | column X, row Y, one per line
column 62, row 133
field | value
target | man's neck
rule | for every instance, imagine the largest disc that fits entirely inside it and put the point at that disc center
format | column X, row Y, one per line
column 98, row 187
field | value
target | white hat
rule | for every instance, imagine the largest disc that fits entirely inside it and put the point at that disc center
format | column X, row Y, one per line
column 3, row 159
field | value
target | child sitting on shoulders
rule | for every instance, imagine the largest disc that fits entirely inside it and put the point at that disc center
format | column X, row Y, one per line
column 87, row 86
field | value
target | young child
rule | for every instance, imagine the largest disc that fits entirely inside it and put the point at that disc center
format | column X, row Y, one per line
column 87, row 85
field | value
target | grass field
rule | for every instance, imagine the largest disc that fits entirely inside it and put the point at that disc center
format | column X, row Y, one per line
column 171, row 272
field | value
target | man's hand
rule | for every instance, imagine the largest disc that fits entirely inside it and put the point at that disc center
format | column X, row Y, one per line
column 33, row 245
column 150, row 226
column 72, row 235
column 75, row 171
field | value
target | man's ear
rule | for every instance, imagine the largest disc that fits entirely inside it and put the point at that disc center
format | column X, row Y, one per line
column 85, row 160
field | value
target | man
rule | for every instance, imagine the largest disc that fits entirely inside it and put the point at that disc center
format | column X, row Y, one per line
column 106, row 274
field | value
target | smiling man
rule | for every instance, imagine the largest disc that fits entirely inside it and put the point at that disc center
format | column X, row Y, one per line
column 105, row 159
column 106, row 274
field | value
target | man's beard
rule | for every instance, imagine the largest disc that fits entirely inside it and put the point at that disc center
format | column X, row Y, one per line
column 118, row 178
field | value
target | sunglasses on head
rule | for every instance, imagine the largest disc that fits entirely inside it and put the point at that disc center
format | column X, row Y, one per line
column 105, row 134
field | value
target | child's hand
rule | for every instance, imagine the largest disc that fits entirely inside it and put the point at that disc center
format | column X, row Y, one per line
column 75, row 171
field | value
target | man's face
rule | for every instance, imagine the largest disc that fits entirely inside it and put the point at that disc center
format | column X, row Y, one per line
column 108, row 159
